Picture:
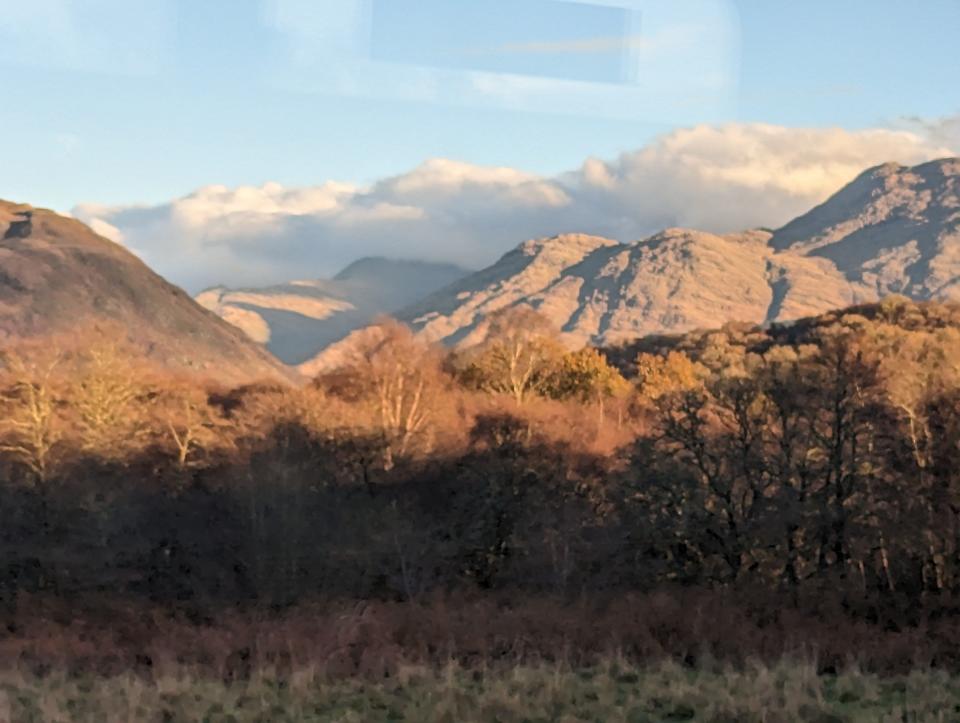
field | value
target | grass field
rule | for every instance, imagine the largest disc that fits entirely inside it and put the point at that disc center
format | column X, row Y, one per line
column 612, row 692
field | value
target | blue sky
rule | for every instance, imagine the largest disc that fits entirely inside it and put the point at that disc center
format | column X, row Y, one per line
column 140, row 101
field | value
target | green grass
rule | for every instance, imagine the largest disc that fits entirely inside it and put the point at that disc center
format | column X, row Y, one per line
column 614, row 692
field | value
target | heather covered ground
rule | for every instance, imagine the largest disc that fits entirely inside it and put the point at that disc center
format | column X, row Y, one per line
column 612, row 691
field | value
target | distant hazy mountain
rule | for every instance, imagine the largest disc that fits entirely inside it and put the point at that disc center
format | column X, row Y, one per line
column 58, row 277
column 298, row 319
column 892, row 230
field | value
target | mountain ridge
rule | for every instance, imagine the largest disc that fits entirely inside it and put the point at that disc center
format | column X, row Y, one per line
column 893, row 229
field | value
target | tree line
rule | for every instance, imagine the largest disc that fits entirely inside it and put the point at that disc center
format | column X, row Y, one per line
column 818, row 456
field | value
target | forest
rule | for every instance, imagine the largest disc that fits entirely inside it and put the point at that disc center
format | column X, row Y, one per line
column 745, row 492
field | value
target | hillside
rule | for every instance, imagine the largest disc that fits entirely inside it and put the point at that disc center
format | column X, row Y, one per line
column 893, row 229
column 298, row 319
column 58, row 277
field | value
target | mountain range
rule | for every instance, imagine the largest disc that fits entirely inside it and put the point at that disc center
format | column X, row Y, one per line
column 892, row 230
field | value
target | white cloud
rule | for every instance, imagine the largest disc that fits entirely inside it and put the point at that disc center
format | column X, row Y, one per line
column 945, row 130
column 107, row 230
column 716, row 178
column 739, row 175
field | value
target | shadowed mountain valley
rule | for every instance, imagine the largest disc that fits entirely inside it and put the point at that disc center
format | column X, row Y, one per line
column 297, row 320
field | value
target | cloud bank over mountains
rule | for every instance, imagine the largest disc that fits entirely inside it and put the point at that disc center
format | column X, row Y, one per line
column 714, row 178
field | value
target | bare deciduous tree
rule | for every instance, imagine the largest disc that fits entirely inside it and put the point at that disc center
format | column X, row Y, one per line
column 402, row 377
column 30, row 429
column 107, row 398
column 188, row 423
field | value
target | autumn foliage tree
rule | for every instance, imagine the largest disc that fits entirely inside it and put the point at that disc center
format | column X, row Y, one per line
column 820, row 456
column 659, row 375
column 585, row 375
column 518, row 357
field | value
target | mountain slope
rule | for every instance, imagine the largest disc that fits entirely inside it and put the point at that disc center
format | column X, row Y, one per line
column 607, row 292
column 892, row 230
column 297, row 319
column 59, row 277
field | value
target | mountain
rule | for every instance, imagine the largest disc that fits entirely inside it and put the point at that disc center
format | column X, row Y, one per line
column 58, row 277
column 297, row 319
column 893, row 229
